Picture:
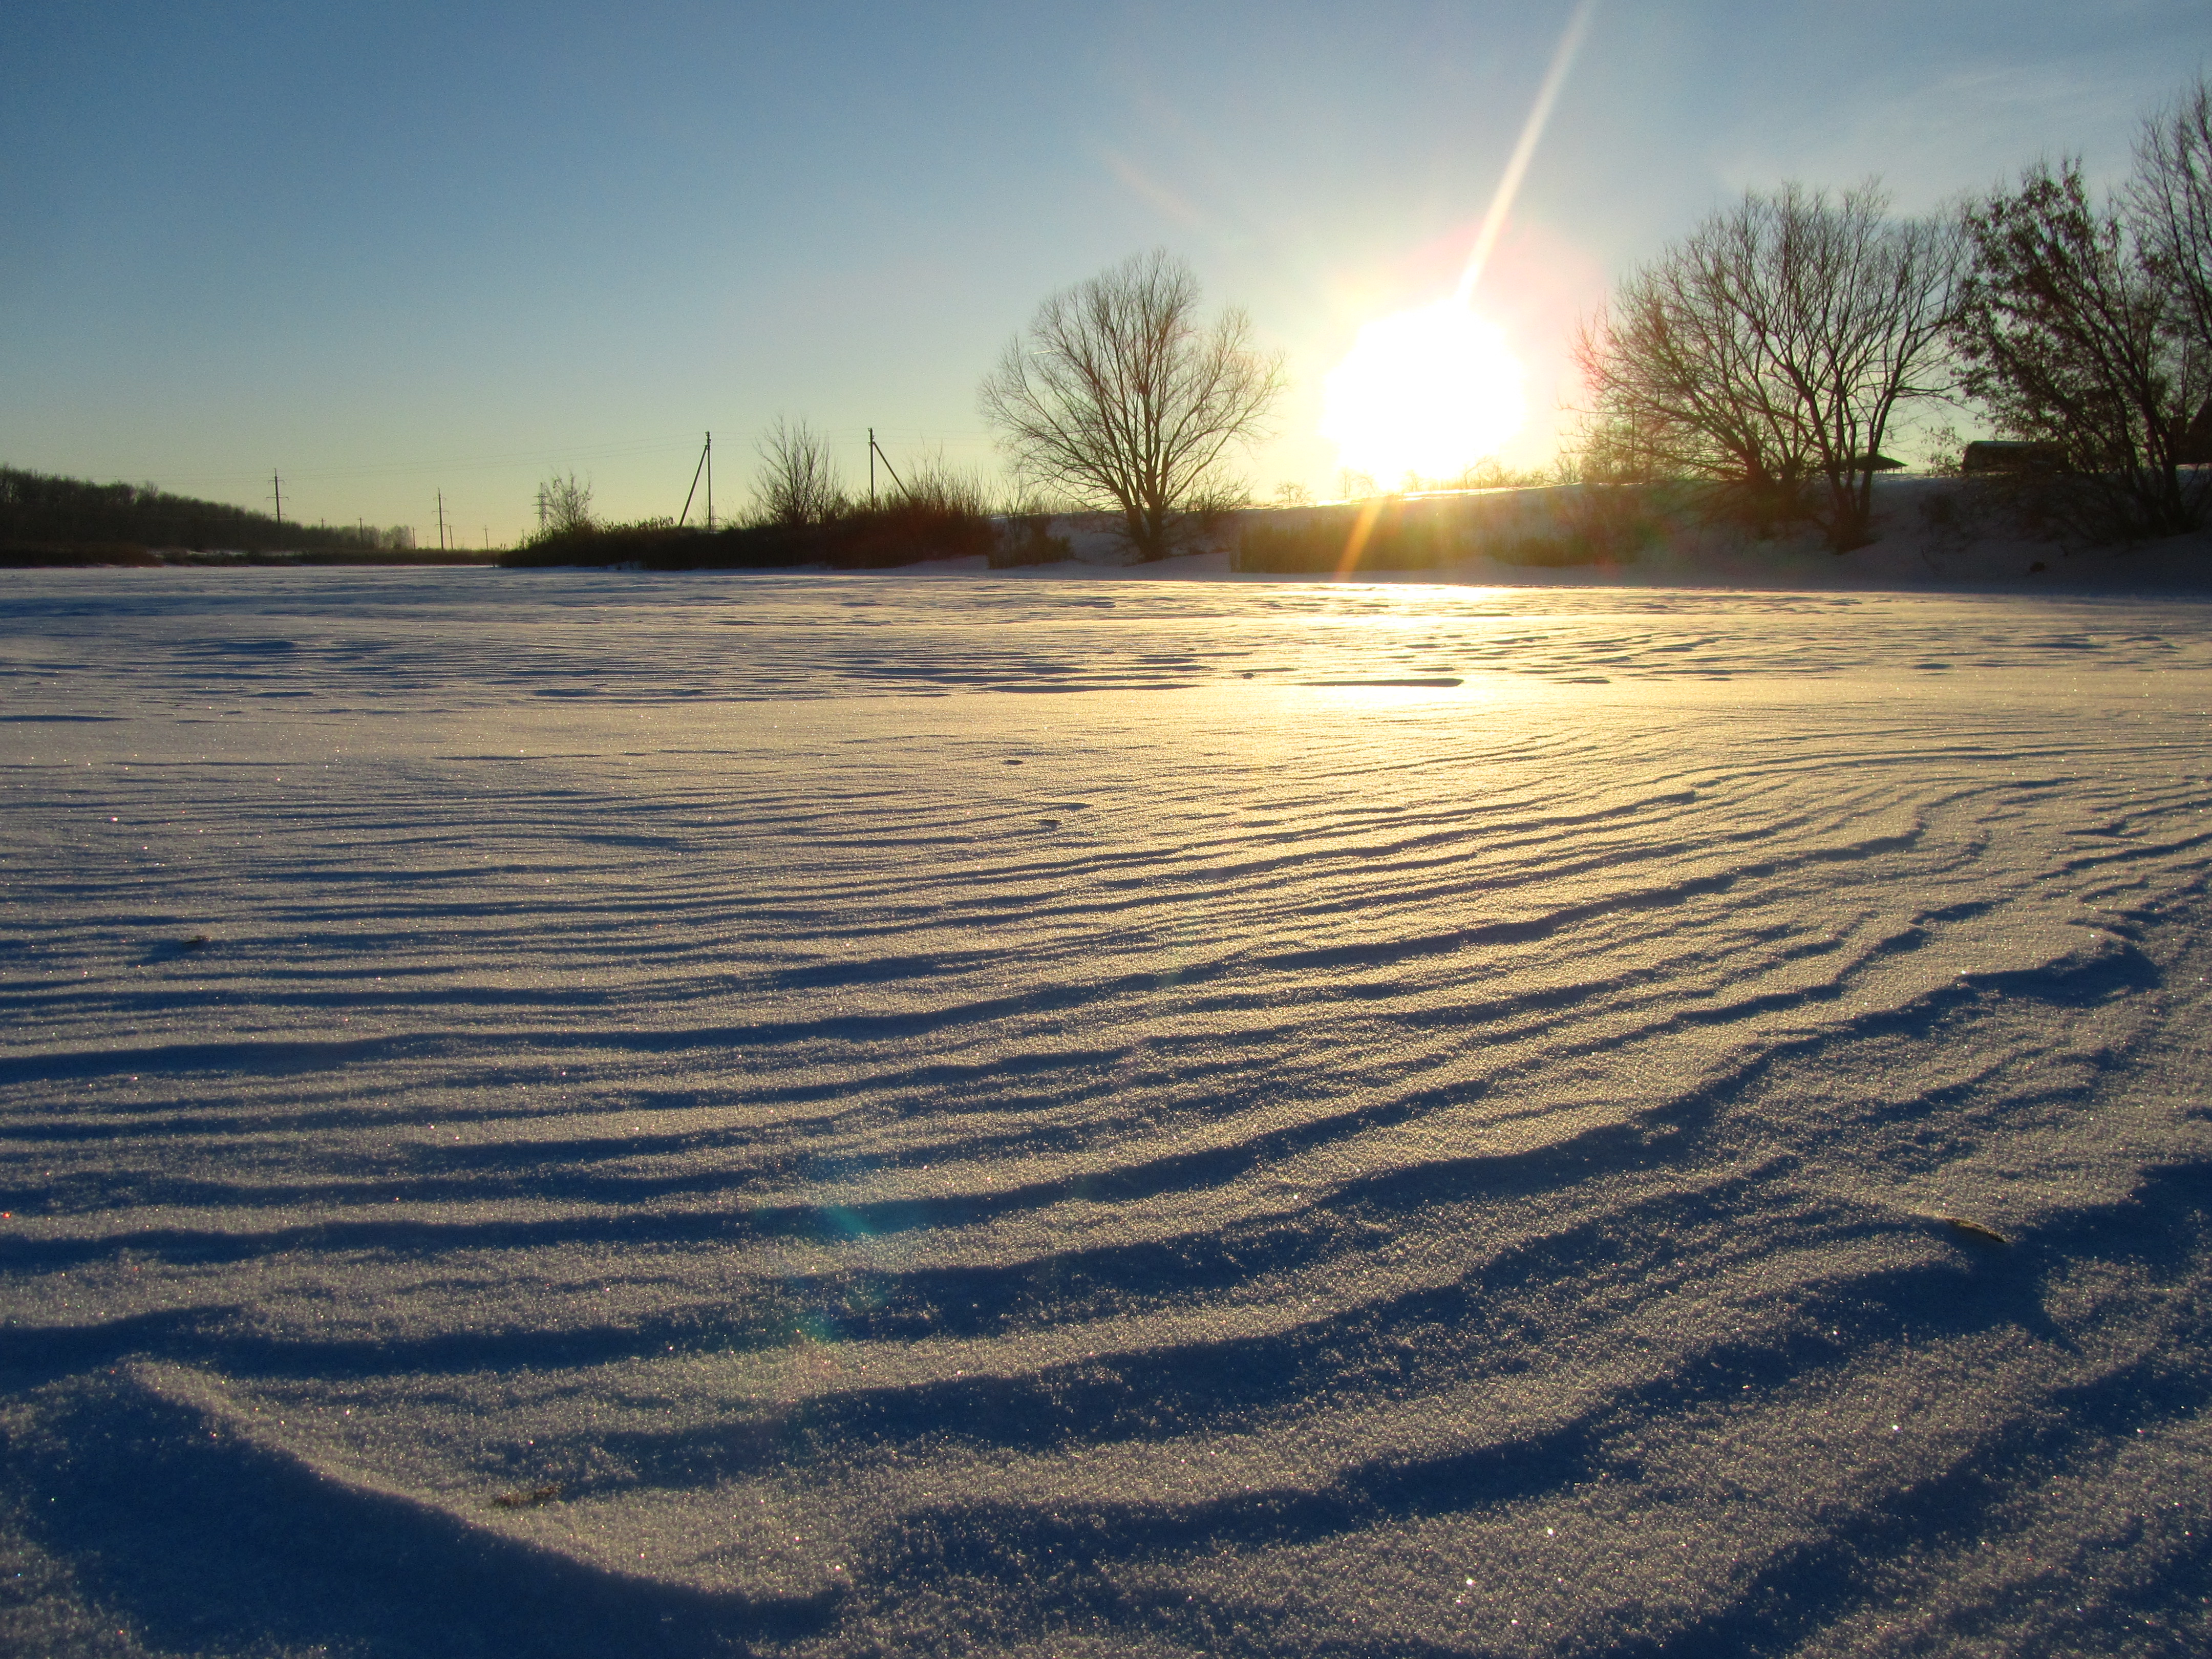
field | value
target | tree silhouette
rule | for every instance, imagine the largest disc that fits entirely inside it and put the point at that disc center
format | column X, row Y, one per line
column 1769, row 351
column 1118, row 396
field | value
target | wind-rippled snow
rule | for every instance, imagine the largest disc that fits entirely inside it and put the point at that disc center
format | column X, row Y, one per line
column 599, row 1113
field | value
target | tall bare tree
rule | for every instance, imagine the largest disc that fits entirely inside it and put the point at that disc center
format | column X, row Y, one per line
column 798, row 483
column 2170, row 200
column 1119, row 395
column 1680, row 384
column 1771, row 349
column 2076, row 335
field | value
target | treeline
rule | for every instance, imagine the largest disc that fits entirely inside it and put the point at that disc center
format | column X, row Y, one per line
column 1771, row 353
column 45, row 517
column 862, row 540
column 800, row 514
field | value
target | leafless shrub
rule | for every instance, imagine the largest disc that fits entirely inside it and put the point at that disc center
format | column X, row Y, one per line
column 935, row 484
column 564, row 506
column 1026, row 539
column 1387, row 532
column 1615, row 523
column 798, row 483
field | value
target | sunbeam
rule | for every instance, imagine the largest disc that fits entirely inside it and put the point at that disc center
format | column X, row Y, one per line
column 1524, row 148
column 1431, row 391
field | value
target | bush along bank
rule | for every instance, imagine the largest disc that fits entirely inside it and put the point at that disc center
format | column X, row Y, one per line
column 1567, row 525
column 865, row 539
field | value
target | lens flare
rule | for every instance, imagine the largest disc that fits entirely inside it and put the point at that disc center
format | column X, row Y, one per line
column 1524, row 150
column 1429, row 391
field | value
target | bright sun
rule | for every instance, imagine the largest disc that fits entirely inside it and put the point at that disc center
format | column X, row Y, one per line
column 1429, row 391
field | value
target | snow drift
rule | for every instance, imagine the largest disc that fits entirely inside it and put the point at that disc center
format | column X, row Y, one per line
column 579, row 1114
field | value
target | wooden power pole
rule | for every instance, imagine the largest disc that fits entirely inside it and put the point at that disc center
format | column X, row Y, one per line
column 875, row 450
column 705, row 469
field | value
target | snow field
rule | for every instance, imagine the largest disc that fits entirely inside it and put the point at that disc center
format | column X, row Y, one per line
column 830, row 1114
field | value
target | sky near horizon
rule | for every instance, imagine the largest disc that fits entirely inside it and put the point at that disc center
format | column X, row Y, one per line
column 394, row 250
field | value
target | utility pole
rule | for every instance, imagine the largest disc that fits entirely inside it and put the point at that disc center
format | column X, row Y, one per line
column 874, row 450
column 442, row 521
column 276, row 488
column 707, row 467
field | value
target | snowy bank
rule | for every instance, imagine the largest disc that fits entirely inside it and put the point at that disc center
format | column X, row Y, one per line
column 1928, row 533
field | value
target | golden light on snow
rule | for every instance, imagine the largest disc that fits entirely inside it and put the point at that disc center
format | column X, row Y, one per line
column 1430, row 392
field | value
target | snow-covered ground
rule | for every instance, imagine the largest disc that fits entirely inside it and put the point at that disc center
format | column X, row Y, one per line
column 606, row 1113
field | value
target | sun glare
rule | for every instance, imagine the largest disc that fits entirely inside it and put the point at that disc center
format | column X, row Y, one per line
column 1430, row 392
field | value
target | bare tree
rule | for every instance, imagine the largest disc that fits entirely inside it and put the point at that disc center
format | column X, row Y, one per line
column 1119, row 395
column 1680, row 385
column 564, row 506
column 2077, row 333
column 798, row 482
column 1771, row 350
column 1862, row 310
column 2170, row 200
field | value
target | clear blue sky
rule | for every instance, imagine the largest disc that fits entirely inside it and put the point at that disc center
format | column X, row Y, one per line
column 392, row 249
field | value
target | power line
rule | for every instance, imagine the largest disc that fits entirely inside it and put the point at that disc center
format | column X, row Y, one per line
column 542, row 456
column 548, row 455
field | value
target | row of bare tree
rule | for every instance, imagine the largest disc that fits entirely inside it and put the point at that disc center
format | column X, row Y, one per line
column 1772, row 350
column 1119, row 395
